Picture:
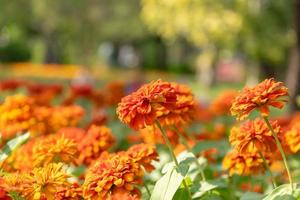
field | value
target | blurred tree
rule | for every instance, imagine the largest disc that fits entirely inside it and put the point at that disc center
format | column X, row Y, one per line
column 72, row 31
column 211, row 25
column 259, row 29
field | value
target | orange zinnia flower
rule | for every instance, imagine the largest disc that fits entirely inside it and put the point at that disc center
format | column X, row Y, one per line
column 121, row 171
column 70, row 192
column 184, row 110
column 244, row 164
column 143, row 154
column 118, row 194
column 41, row 183
column 54, row 149
column 97, row 140
column 292, row 138
column 118, row 170
column 267, row 93
column 253, row 136
column 143, row 107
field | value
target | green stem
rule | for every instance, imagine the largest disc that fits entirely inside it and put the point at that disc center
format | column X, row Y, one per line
column 145, row 184
column 147, row 189
column 268, row 169
column 168, row 143
column 185, row 143
column 281, row 151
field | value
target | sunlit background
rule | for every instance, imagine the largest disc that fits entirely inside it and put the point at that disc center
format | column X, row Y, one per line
column 210, row 45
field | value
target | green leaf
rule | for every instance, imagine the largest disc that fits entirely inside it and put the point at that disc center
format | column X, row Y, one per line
column 181, row 194
column 281, row 192
column 206, row 186
column 12, row 145
column 252, row 196
column 166, row 187
column 15, row 196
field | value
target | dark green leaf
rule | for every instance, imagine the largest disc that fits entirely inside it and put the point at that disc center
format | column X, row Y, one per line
column 181, row 194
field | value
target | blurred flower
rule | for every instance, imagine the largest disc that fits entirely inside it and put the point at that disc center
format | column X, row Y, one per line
column 71, row 133
column 96, row 140
column 70, row 192
column 143, row 107
column 43, row 94
column 203, row 114
column 21, row 159
column 179, row 148
column 152, row 135
column 252, row 188
column 210, row 154
column 292, row 138
column 63, row 116
column 143, row 154
column 217, row 133
column 253, row 136
column 11, row 84
column 265, row 94
column 221, row 105
column 54, row 149
column 17, row 116
column 81, row 90
column 244, row 164
column 114, row 92
column 4, row 194
column 99, row 117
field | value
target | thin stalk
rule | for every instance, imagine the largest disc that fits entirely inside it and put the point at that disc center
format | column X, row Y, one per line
column 281, row 151
column 168, row 143
column 185, row 143
column 268, row 169
column 147, row 189
column 145, row 184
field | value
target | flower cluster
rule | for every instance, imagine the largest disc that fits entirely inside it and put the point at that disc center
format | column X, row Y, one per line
column 20, row 114
column 254, row 140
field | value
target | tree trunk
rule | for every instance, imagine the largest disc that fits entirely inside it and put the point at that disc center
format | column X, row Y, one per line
column 292, row 77
column 293, row 73
column 51, row 55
